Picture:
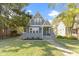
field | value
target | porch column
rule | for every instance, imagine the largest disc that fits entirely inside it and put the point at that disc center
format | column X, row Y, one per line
column 49, row 30
column 42, row 31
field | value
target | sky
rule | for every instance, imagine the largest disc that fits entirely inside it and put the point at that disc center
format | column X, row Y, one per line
column 45, row 11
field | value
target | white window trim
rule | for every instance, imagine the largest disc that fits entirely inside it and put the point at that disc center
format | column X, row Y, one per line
column 33, row 30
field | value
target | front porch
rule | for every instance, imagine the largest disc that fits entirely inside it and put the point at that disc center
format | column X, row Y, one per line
column 42, row 32
column 46, row 33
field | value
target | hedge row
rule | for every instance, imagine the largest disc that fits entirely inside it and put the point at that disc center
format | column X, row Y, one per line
column 64, row 37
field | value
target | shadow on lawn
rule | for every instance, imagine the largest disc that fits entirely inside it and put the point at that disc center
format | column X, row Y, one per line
column 71, row 44
column 46, row 47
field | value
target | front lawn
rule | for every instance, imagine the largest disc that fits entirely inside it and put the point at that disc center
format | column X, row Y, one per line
column 70, row 44
column 18, row 47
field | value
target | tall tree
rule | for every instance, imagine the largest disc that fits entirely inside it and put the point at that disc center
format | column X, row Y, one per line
column 7, row 12
column 22, row 18
column 68, row 16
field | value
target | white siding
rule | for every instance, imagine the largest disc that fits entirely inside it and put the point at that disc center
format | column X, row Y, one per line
column 61, row 29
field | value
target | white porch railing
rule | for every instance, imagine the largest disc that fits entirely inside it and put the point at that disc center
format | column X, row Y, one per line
column 30, row 35
column 38, row 35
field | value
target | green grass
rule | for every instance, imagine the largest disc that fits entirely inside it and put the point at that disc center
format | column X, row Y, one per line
column 70, row 44
column 18, row 47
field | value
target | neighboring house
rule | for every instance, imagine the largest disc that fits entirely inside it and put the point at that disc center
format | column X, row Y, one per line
column 75, row 29
column 38, row 27
column 59, row 27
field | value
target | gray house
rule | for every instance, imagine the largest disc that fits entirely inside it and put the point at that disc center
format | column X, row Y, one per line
column 38, row 27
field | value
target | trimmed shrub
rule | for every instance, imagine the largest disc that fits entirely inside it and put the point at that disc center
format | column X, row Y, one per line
column 39, row 38
column 33, row 38
column 14, row 33
column 61, row 37
column 73, row 38
column 64, row 37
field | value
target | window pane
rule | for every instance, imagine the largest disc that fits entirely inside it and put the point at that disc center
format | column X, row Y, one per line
column 36, row 31
column 30, row 28
column 33, row 31
column 30, row 31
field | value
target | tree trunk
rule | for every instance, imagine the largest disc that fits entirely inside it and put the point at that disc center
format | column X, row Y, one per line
column 1, row 34
column 24, row 29
column 68, row 31
column 78, row 33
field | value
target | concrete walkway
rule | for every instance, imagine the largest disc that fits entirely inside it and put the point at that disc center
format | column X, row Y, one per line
column 65, row 51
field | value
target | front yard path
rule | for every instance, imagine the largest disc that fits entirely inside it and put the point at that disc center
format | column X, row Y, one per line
column 66, row 52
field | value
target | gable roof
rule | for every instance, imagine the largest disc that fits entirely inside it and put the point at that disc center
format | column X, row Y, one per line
column 38, row 20
column 38, row 15
column 46, row 23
